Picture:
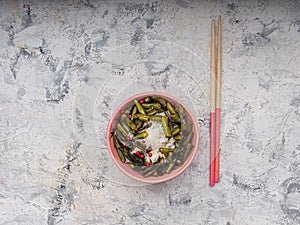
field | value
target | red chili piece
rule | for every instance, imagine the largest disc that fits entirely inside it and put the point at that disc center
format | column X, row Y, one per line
column 142, row 156
column 147, row 164
column 149, row 154
column 138, row 153
column 142, row 101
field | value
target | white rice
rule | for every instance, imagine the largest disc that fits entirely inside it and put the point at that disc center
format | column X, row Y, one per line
column 156, row 139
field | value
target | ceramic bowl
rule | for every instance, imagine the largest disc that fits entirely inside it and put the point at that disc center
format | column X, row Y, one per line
column 125, row 167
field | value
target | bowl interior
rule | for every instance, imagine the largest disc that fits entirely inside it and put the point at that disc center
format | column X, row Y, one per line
column 134, row 174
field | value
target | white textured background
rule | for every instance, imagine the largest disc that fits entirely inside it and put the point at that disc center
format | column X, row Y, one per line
column 65, row 65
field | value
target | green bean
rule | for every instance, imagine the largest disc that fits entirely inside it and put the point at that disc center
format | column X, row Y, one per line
column 166, row 151
column 139, row 124
column 161, row 110
column 177, row 137
column 131, row 165
column 189, row 125
column 181, row 111
column 176, row 131
column 133, row 111
column 168, row 114
column 166, row 127
column 156, row 118
column 162, row 101
column 142, row 117
column 147, row 99
column 146, row 126
column 116, row 142
column 119, row 135
column 149, row 110
column 149, row 172
column 188, row 138
column 175, row 118
column 127, row 111
column 123, row 117
column 141, row 135
column 151, row 105
column 139, row 107
column 171, row 108
column 125, row 126
column 121, row 129
column 131, row 124
column 184, row 125
column 169, row 167
column 122, row 158
column 187, row 150
column 152, row 112
column 169, row 157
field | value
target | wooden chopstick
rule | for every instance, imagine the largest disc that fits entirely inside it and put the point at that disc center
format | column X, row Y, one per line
column 218, row 99
column 212, row 104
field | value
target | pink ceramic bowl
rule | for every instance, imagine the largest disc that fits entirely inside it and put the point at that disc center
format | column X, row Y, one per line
column 129, row 171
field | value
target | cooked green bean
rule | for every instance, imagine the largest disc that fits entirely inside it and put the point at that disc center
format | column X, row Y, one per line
column 125, row 126
column 166, row 150
column 141, row 135
column 131, row 124
column 151, row 105
column 116, row 142
column 121, row 129
column 188, row 138
column 162, row 101
column 147, row 99
column 152, row 112
column 149, row 110
column 139, row 124
column 133, row 111
column 175, row 131
column 156, row 118
column 142, row 117
column 149, row 172
column 122, row 158
column 169, row 167
column 131, row 165
column 123, row 118
column 119, row 135
column 171, row 108
column 166, row 127
column 175, row 118
column 177, row 137
column 139, row 107
column 181, row 111
column 187, row 151
column 189, row 125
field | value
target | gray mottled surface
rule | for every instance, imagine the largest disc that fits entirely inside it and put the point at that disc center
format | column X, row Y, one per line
column 65, row 66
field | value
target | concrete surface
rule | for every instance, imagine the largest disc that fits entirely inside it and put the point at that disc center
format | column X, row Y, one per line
column 65, row 66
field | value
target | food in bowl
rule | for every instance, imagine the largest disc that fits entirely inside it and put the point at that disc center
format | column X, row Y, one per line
column 153, row 135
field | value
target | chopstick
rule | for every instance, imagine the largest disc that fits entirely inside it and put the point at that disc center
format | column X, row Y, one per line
column 212, row 105
column 215, row 102
column 218, row 100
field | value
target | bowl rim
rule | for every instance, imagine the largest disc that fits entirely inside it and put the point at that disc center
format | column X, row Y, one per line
column 163, row 178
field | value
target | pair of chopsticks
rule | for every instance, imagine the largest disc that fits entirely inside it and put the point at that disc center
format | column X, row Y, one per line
column 215, row 102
